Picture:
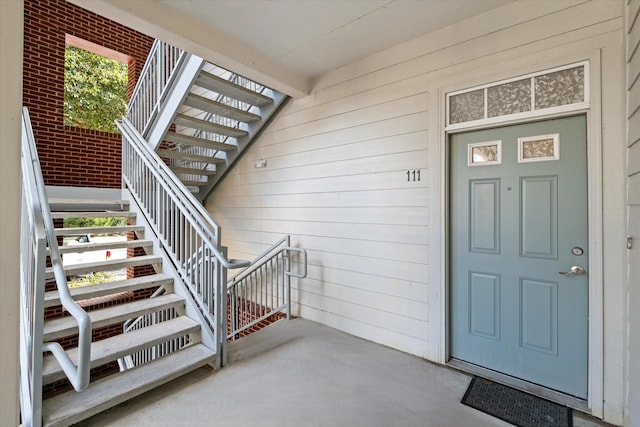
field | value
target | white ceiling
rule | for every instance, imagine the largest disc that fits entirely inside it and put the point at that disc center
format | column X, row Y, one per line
column 312, row 37
column 286, row 44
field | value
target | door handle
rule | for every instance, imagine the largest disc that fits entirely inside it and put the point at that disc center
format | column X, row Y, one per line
column 576, row 270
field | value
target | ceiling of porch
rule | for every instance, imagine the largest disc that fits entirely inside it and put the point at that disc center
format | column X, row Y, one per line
column 291, row 42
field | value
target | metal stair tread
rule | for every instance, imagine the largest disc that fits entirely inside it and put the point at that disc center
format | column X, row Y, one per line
column 59, row 204
column 72, row 231
column 197, row 142
column 211, row 106
column 107, row 213
column 192, row 171
column 71, row 407
column 88, row 247
column 112, row 348
column 191, row 183
column 230, row 89
column 52, row 298
column 65, row 326
column 107, row 265
column 171, row 154
column 206, row 126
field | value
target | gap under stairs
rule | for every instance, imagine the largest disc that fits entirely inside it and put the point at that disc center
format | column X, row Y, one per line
column 144, row 354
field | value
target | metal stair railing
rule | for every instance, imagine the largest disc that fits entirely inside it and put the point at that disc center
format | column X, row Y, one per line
column 263, row 289
column 36, row 230
column 182, row 225
column 156, row 77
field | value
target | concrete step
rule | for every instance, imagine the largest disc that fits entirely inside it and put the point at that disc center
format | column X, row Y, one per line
column 107, row 265
column 74, row 231
column 179, row 138
column 93, row 214
column 171, row 154
column 52, row 298
column 206, row 126
column 72, row 407
column 214, row 107
column 111, row 349
column 58, row 328
column 232, row 90
column 61, row 204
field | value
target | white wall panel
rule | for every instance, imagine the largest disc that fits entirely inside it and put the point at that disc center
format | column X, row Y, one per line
column 337, row 162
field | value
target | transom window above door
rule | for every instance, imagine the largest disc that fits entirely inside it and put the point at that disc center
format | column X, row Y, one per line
column 551, row 91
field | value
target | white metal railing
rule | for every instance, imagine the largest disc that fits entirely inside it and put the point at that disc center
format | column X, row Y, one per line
column 156, row 76
column 264, row 288
column 36, row 230
column 182, row 225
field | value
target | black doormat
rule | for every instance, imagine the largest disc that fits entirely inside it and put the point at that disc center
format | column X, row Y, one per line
column 514, row 406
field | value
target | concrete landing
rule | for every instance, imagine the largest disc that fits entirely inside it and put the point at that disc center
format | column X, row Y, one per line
column 300, row 373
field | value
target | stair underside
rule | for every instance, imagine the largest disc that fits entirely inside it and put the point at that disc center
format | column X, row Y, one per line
column 171, row 154
column 210, row 106
column 192, row 171
column 107, row 265
column 206, row 126
column 52, row 298
column 65, row 326
column 179, row 138
column 232, row 90
column 110, row 349
column 71, row 407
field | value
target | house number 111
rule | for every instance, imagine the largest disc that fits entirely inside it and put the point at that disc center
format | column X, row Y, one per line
column 413, row 175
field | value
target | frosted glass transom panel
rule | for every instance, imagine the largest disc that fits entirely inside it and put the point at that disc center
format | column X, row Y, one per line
column 559, row 89
column 509, row 98
column 466, row 107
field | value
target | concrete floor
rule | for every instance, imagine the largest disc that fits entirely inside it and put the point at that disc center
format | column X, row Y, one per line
column 300, row 373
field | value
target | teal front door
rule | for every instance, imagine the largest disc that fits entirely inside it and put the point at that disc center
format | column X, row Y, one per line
column 519, row 251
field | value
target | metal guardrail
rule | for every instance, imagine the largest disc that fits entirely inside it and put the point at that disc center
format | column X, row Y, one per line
column 36, row 230
column 182, row 225
column 263, row 289
column 156, row 76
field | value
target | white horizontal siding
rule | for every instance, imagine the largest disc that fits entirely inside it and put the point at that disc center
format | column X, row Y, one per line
column 337, row 161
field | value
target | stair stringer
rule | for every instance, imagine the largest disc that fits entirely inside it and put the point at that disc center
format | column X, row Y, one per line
column 268, row 112
column 208, row 336
column 182, row 81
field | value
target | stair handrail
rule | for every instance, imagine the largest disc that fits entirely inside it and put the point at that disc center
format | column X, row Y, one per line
column 156, row 77
column 78, row 375
column 182, row 227
column 163, row 174
column 269, row 281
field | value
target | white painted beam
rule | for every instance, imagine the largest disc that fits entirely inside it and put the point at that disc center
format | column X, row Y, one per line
column 11, row 31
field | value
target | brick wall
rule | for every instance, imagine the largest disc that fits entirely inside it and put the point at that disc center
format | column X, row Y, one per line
column 69, row 155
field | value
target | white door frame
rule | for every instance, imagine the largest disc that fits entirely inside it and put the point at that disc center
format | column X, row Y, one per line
column 438, row 347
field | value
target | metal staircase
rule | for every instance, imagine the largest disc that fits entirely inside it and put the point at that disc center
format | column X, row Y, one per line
column 188, row 122
column 203, row 119
column 103, row 303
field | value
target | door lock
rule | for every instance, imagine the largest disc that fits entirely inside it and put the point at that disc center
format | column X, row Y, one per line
column 576, row 270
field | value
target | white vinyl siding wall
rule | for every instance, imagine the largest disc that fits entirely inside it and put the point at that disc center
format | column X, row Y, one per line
column 633, row 172
column 337, row 162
